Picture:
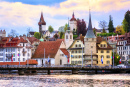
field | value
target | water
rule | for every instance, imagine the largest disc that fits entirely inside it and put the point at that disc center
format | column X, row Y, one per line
column 97, row 80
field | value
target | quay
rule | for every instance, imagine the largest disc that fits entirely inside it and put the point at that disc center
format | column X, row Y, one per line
column 75, row 70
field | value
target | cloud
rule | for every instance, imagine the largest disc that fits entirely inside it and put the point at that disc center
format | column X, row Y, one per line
column 19, row 15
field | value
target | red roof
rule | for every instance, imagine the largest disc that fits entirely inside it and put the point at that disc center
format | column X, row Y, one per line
column 33, row 39
column 73, row 18
column 51, row 48
column 64, row 51
column 11, row 42
column 41, row 22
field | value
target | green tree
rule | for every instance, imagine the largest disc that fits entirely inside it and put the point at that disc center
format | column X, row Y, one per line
column 61, row 34
column 56, row 36
column 125, row 25
column 66, row 27
column 37, row 35
column 110, row 25
column 61, row 29
column 103, row 31
column 116, row 58
column 120, row 30
column 127, row 17
column 94, row 31
column 50, row 29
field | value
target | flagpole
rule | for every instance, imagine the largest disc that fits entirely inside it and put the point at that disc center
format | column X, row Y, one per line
column 44, row 55
column 91, row 58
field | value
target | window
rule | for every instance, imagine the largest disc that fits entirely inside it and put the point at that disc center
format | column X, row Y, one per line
column 72, row 51
column 91, row 46
column 77, row 41
column 23, row 54
column 101, row 45
column 13, row 59
column 104, row 45
column 1, row 54
column 75, row 62
column 18, row 49
column 108, row 62
column 28, row 54
column 102, row 51
column 79, row 45
column 72, row 62
column 102, row 56
column 79, row 62
column 92, row 39
column 18, row 59
column 1, row 59
column 76, row 45
column 79, row 51
column 108, row 56
column 23, row 59
column 75, row 56
column 70, row 36
column 76, row 51
column 66, row 36
column 107, row 51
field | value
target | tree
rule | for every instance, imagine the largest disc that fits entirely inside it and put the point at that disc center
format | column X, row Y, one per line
column 127, row 17
column 61, row 34
column 125, row 25
column 103, row 24
column 120, row 30
column 61, row 29
column 13, row 33
column 37, row 35
column 81, row 27
column 50, row 29
column 94, row 30
column 103, row 31
column 56, row 36
column 116, row 58
column 110, row 25
column 66, row 27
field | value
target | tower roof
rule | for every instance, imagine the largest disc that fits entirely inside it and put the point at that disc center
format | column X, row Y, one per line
column 73, row 18
column 90, row 33
column 41, row 22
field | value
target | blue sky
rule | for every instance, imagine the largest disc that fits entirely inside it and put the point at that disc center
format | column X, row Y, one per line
column 22, row 14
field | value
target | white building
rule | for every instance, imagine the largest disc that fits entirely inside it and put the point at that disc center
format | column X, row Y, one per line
column 54, row 51
column 2, row 33
column 17, row 47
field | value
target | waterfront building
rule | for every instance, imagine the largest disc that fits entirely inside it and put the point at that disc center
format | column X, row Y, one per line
column 14, row 49
column 76, row 51
column 104, row 52
column 51, row 52
column 90, row 50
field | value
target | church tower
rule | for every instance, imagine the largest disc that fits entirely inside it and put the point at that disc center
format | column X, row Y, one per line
column 42, row 24
column 68, row 37
column 73, row 23
column 90, row 45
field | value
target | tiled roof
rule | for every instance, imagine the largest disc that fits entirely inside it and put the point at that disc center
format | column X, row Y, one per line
column 11, row 42
column 73, row 18
column 33, row 39
column 80, row 38
column 64, row 51
column 41, row 22
column 51, row 48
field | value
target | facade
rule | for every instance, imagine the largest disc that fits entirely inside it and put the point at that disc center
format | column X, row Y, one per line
column 68, row 37
column 73, row 23
column 2, row 33
column 104, row 52
column 42, row 24
column 14, row 49
column 31, row 34
column 76, row 51
column 53, row 51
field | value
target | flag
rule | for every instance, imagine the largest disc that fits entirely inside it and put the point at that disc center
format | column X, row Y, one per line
column 12, row 58
column 72, row 56
column 68, row 60
column 48, row 59
column 120, row 61
column 102, row 60
column 66, row 56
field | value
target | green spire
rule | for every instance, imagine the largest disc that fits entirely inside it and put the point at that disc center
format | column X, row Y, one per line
column 41, row 39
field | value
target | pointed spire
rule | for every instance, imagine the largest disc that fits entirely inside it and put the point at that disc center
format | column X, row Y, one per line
column 42, row 22
column 73, row 15
column 90, row 33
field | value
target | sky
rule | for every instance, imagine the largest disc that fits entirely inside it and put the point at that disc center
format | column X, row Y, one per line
column 20, row 15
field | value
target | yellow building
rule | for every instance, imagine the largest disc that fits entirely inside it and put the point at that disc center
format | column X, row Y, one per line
column 75, row 51
column 104, row 52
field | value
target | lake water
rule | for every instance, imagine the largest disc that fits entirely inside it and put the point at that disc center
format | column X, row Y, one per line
column 97, row 80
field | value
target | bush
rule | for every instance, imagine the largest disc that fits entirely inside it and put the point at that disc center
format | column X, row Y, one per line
column 75, row 36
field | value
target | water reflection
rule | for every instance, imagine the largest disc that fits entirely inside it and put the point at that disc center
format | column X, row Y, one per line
column 106, row 80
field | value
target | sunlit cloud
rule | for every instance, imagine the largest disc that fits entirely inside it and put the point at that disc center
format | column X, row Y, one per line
column 20, row 15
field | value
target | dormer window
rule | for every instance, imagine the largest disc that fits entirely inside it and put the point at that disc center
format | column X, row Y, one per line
column 104, row 45
column 101, row 45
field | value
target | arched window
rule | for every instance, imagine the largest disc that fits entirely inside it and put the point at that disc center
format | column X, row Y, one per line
column 60, row 62
column 66, row 36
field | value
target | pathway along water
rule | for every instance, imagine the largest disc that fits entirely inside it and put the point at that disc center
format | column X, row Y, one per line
column 96, row 80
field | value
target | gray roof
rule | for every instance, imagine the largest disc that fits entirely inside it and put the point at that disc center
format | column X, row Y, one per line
column 90, row 33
